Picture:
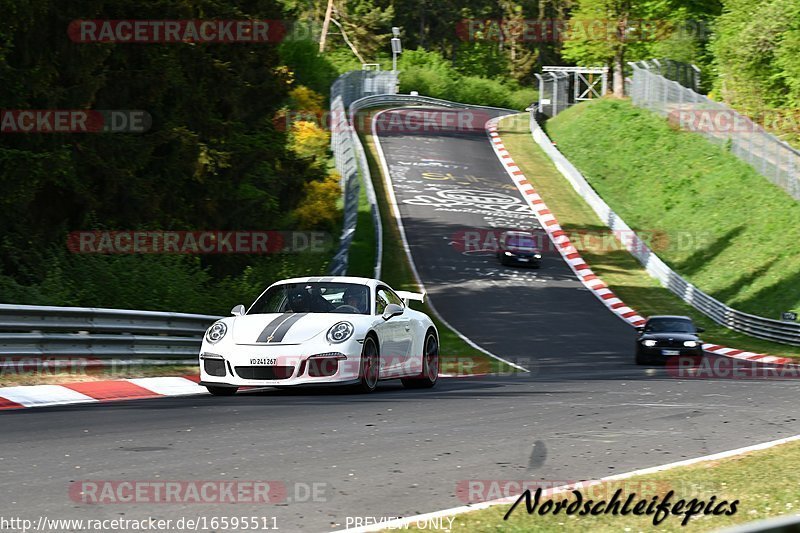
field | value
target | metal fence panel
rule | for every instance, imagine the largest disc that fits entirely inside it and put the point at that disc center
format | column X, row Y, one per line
column 350, row 157
column 667, row 87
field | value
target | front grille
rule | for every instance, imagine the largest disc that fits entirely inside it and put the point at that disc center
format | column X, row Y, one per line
column 667, row 343
column 264, row 372
column 214, row 367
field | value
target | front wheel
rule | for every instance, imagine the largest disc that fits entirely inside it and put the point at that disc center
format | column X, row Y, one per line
column 369, row 369
column 430, row 366
column 222, row 391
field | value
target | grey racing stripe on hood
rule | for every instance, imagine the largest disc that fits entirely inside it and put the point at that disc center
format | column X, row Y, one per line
column 272, row 326
column 278, row 328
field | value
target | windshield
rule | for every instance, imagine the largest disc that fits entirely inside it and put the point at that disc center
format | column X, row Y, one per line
column 673, row 325
column 520, row 241
column 313, row 297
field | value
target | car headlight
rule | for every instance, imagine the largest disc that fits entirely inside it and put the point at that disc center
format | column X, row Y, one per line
column 216, row 332
column 649, row 342
column 508, row 253
column 690, row 344
column 537, row 256
column 340, row 332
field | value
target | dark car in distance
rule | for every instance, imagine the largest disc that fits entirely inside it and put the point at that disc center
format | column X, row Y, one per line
column 665, row 336
column 518, row 248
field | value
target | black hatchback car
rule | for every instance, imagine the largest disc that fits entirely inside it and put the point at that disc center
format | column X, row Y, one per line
column 665, row 336
column 518, row 248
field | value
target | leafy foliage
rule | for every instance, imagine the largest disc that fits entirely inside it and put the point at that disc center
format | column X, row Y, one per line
column 212, row 159
column 431, row 75
column 756, row 51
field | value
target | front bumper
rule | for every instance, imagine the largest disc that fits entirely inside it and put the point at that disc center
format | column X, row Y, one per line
column 664, row 353
column 280, row 365
column 522, row 260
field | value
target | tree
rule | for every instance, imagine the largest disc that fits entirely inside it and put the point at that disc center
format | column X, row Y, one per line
column 597, row 34
column 612, row 32
column 756, row 51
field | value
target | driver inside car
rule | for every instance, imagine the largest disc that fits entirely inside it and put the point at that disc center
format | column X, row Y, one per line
column 356, row 297
column 299, row 302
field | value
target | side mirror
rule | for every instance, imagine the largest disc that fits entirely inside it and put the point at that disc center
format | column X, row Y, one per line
column 239, row 310
column 700, row 330
column 392, row 310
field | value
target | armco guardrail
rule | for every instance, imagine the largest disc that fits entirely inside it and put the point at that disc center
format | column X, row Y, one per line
column 757, row 326
column 350, row 157
column 27, row 331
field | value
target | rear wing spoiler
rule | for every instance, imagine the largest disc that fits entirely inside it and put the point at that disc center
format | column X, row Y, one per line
column 406, row 296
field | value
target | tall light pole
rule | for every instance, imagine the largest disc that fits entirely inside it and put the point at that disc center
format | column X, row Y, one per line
column 396, row 47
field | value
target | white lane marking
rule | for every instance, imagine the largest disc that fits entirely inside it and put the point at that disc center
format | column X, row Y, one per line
column 387, row 179
column 169, row 386
column 411, row 520
column 43, row 395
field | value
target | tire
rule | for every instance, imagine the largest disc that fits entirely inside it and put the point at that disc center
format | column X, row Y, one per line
column 221, row 391
column 369, row 367
column 430, row 365
column 640, row 360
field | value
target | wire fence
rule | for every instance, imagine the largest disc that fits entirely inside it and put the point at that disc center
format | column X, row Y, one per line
column 348, row 155
column 553, row 93
column 688, row 110
column 561, row 87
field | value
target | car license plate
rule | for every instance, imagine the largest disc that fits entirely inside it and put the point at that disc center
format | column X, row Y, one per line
column 524, row 259
column 263, row 361
column 670, row 352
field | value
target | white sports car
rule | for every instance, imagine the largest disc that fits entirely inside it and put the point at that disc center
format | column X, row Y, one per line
column 309, row 331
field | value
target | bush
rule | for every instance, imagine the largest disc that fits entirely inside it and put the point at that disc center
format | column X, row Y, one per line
column 304, row 99
column 308, row 67
column 426, row 81
column 483, row 91
column 522, row 98
column 431, row 75
column 308, row 140
column 318, row 209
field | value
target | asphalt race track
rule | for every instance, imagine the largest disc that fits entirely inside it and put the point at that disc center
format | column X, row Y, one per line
column 584, row 410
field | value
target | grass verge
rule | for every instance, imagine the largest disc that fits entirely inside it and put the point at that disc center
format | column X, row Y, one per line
column 618, row 268
column 457, row 357
column 730, row 231
column 759, row 480
column 361, row 261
